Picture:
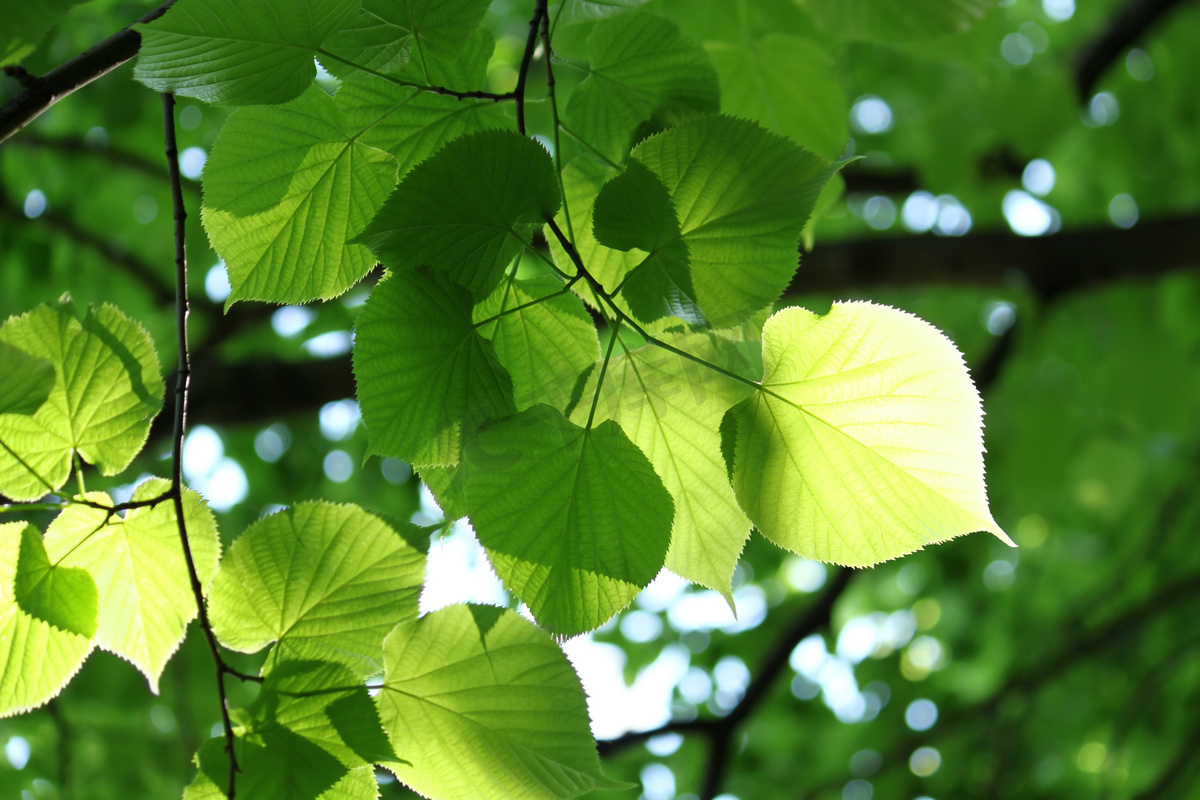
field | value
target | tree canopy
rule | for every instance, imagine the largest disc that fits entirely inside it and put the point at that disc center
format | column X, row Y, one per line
column 589, row 398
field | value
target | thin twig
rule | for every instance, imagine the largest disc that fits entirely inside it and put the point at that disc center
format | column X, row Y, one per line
column 76, row 145
column 182, row 377
column 539, row 11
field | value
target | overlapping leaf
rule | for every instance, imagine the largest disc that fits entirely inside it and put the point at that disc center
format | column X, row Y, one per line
column 634, row 211
column 464, row 210
column 787, row 83
column 285, row 189
column 410, row 123
column 28, row 380
column 742, row 196
column 137, row 563
column 47, row 620
column 574, row 519
column 389, row 33
column 671, row 408
column 641, row 67
column 234, row 53
column 866, row 440
column 107, row 389
column 481, row 704
column 545, row 345
column 325, row 581
column 583, row 179
column 422, row 367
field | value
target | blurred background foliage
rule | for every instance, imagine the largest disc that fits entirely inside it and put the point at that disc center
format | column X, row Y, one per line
column 1040, row 207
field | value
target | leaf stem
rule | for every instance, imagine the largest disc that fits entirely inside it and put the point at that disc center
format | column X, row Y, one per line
column 590, row 148
column 623, row 317
column 442, row 90
column 566, row 288
column 612, row 340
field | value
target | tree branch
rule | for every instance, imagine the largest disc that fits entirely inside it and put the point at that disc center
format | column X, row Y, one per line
column 1052, row 265
column 719, row 730
column 77, row 146
column 1125, row 27
column 41, row 93
column 539, row 11
column 138, row 269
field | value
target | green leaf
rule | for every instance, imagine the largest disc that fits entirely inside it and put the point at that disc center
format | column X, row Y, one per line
column 277, row 764
column 632, row 211
column 137, row 563
column 462, row 210
column 574, row 519
column 285, row 189
column 787, row 83
column 326, row 704
column 481, row 704
column 412, row 124
column 544, row 347
column 325, row 581
column 28, row 380
column 641, row 68
column 25, row 24
column 583, row 179
column 671, row 408
column 388, row 33
column 885, row 21
column 574, row 11
column 47, row 620
column 866, row 441
column 107, row 389
column 422, row 367
column 742, row 196
column 228, row 52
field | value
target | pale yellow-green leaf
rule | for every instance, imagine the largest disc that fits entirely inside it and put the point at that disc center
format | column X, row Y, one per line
column 137, row 562
column 865, row 442
column 671, row 408
column 47, row 620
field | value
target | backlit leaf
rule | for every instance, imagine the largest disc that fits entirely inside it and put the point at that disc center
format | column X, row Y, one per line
column 107, row 389
column 481, row 704
column 464, row 210
column 412, row 124
column 47, row 620
column 285, row 188
column 324, row 581
column 28, row 380
column 234, row 53
column 742, row 196
column 544, row 347
column 866, row 441
column 640, row 67
column 422, row 366
column 137, row 563
column 574, row 519
column 671, row 408
column 388, row 33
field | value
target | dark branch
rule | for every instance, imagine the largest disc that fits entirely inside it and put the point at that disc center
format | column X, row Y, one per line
column 535, row 23
column 814, row 618
column 1129, row 24
column 41, row 93
column 75, row 145
column 1051, row 265
column 138, row 269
